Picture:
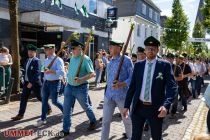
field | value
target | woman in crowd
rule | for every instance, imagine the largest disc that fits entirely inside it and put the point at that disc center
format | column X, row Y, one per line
column 6, row 62
column 98, row 69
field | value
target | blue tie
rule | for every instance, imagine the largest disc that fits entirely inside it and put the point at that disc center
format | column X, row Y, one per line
column 148, row 79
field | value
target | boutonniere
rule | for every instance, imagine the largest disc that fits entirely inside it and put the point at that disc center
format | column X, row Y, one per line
column 160, row 76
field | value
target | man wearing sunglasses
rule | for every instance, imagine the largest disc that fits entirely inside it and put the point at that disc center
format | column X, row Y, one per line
column 151, row 92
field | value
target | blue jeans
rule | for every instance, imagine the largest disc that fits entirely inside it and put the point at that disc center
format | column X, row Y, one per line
column 50, row 89
column 98, row 76
column 81, row 94
column 193, row 85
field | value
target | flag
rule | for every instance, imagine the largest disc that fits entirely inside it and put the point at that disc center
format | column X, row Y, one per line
column 76, row 9
column 84, row 12
column 42, row 1
column 57, row 2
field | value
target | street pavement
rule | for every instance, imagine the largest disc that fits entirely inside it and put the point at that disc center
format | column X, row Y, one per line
column 182, row 127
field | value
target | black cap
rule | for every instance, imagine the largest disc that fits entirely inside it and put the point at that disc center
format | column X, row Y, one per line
column 151, row 41
column 117, row 43
column 140, row 50
column 170, row 55
column 31, row 47
column 49, row 46
column 76, row 43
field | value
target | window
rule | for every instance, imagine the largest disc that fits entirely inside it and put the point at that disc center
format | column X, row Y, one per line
column 143, row 8
column 93, row 6
column 138, row 30
column 156, row 16
column 145, row 32
column 150, row 13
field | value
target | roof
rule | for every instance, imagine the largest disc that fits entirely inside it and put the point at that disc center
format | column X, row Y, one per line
column 151, row 3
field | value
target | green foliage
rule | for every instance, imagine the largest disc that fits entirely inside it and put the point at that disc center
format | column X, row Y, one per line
column 198, row 32
column 206, row 14
column 179, row 23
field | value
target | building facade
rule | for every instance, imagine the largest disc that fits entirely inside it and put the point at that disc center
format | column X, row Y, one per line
column 41, row 23
column 146, row 16
column 199, row 16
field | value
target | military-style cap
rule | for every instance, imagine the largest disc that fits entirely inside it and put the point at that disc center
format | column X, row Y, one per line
column 151, row 41
column 178, row 56
column 49, row 46
column 31, row 47
column 117, row 43
column 140, row 50
column 170, row 55
column 76, row 43
column 184, row 54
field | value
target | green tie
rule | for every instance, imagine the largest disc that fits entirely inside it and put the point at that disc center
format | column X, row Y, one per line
column 148, row 79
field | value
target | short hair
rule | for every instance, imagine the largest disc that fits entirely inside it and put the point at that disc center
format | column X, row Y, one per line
column 4, row 50
column 134, row 55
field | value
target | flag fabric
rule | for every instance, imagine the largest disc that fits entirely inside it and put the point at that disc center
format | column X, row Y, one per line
column 76, row 9
column 42, row 1
column 84, row 12
column 57, row 2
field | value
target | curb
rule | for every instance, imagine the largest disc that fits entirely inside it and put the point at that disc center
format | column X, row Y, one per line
column 198, row 123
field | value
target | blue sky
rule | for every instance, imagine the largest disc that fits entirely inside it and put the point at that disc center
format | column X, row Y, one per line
column 190, row 7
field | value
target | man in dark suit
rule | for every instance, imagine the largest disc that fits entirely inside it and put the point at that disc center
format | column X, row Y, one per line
column 151, row 92
column 32, row 81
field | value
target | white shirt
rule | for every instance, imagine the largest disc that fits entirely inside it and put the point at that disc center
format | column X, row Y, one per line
column 4, row 58
column 145, row 77
column 192, row 66
column 199, row 68
column 27, row 66
column 140, row 60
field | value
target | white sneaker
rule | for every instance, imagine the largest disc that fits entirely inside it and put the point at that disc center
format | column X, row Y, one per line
column 41, row 122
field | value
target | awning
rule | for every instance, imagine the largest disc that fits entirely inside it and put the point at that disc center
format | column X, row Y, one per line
column 48, row 19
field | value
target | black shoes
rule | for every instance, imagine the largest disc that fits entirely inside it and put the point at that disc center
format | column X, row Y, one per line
column 49, row 111
column 92, row 126
column 16, row 118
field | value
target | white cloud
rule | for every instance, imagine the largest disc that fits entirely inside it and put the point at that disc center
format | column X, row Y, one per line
column 166, row 12
column 160, row 1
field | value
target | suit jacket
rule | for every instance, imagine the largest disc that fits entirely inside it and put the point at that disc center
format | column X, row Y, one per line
column 163, row 90
column 34, row 71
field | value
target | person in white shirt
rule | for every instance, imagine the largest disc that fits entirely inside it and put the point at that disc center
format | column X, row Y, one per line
column 200, row 71
column 6, row 62
column 193, row 77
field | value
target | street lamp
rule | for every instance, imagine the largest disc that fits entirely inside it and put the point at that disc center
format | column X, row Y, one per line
column 109, row 23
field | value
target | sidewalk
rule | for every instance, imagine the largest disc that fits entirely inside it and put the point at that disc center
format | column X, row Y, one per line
column 174, row 129
column 198, row 124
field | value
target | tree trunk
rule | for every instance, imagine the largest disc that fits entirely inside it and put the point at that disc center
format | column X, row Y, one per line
column 13, row 11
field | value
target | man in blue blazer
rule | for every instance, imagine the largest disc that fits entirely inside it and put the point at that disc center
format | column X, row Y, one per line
column 151, row 92
column 32, row 81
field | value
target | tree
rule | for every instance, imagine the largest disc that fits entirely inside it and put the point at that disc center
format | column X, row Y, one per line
column 206, row 15
column 198, row 32
column 176, row 27
column 13, row 11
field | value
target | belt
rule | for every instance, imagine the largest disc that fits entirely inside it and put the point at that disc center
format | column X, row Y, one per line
column 146, row 103
column 52, row 81
column 81, row 85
